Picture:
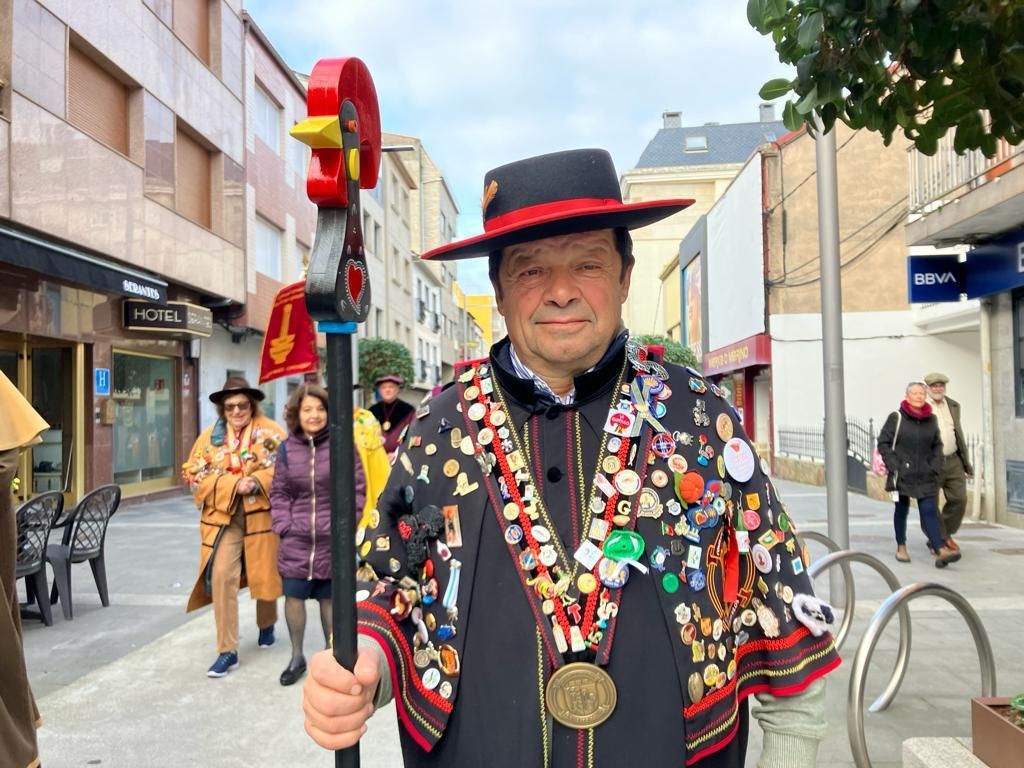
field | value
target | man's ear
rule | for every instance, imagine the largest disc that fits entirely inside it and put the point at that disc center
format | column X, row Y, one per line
column 624, row 292
column 498, row 299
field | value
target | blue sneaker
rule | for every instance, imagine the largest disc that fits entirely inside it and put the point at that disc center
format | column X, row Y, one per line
column 225, row 663
column 266, row 637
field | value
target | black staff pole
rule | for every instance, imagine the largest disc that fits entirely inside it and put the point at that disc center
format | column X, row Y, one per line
column 343, row 130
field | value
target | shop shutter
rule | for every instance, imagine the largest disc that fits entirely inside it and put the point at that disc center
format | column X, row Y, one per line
column 192, row 25
column 192, row 173
column 97, row 101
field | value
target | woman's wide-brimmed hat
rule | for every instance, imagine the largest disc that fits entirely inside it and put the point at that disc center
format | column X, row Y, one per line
column 394, row 378
column 236, row 385
column 557, row 194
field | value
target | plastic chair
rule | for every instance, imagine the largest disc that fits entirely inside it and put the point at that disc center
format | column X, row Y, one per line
column 83, row 541
column 34, row 520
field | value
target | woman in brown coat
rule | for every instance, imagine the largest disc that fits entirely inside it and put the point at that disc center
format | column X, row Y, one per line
column 20, row 427
column 229, row 471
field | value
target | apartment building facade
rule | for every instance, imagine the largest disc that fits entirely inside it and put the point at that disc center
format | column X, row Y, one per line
column 122, row 227
column 696, row 162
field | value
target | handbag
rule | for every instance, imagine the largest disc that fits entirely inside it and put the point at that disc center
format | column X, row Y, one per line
column 891, row 480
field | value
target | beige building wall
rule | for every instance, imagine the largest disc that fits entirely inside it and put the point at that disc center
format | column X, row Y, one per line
column 656, row 246
column 398, row 256
column 671, row 306
column 872, row 215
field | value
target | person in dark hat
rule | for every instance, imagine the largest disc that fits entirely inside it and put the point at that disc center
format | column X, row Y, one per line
column 579, row 559
column 393, row 413
column 229, row 472
column 956, row 467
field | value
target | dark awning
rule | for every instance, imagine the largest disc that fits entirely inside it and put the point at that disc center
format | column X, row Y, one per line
column 60, row 261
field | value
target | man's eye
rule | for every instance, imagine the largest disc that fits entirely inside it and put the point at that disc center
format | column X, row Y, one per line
column 529, row 273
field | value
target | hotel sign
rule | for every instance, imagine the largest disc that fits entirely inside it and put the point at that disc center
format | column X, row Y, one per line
column 175, row 318
column 752, row 351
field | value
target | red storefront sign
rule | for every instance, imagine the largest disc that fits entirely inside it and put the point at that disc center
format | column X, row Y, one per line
column 755, row 350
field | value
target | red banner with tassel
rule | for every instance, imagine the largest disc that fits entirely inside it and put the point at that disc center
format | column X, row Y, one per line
column 289, row 346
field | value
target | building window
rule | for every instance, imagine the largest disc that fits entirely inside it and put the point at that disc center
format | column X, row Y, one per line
column 1018, row 351
column 379, row 326
column 405, row 203
column 376, row 237
column 266, row 119
column 268, row 241
column 145, row 393
column 368, row 232
column 298, row 157
column 192, row 26
column 192, row 171
column 394, row 192
column 97, row 101
column 697, row 143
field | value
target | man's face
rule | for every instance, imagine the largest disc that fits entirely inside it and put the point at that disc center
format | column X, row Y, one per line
column 937, row 391
column 561, row 298
column 388, row 391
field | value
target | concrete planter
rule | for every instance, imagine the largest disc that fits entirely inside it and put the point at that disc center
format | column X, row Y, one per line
column 996, row 739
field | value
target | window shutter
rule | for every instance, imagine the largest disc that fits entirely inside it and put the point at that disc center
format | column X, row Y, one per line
column 192, row 25
column 97, row 101
column 192, row 171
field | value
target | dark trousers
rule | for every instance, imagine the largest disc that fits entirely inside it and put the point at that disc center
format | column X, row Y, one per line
column 929, row 520
column 954, row 487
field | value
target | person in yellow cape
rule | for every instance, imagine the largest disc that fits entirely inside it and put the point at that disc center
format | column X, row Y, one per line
column 20, row 428
column 367, row 435
column 230, row 470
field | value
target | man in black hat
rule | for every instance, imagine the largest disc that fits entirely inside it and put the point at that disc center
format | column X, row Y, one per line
column 393, row 413
column 579, row 560
column 957, row 466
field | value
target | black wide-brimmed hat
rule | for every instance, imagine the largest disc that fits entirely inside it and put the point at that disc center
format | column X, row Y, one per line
column 557, row 194
column 236, row 385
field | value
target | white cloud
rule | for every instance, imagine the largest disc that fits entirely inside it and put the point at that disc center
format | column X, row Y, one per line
column 484, row 82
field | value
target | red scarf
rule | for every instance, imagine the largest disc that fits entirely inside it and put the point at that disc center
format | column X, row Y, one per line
column 918, row 413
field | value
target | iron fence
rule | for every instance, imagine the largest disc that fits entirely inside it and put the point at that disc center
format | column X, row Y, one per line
column 861, row 442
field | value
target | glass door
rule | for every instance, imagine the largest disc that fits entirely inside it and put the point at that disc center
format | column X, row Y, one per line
column 12, row 358
column 53, row 388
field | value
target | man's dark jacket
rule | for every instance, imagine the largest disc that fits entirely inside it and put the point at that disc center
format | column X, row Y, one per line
column 490, row 712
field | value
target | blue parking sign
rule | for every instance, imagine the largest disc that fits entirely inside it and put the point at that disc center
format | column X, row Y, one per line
column 102, row 382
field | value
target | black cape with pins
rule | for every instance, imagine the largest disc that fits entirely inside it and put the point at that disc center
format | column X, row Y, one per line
column 489, row 711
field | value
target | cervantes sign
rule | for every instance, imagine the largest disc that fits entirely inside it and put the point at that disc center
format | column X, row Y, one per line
column 754, row 350
column 173, row 318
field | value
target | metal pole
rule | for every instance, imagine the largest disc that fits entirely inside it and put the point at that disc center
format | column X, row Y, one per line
column 832, row 348
column 986, row 480
column 862, row 660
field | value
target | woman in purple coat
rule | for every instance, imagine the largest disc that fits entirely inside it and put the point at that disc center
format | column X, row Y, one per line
column 300, row 501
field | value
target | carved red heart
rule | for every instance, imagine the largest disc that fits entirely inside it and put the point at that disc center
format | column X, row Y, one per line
column 354, row 280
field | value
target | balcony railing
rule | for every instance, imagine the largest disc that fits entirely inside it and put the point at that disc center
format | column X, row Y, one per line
column 946, row 175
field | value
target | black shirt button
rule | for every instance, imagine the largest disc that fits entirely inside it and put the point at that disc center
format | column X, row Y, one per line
column 554, row 474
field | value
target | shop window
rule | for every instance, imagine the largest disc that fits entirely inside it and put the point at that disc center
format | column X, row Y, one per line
column 1018, row 352
column 192, row 26
column 192, row 169
column 97, row 101
column 145, row 393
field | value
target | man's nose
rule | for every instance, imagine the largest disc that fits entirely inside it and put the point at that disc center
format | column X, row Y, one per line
column 561, row 288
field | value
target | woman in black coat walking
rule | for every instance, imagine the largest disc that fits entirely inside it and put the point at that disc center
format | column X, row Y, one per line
column 911, row 448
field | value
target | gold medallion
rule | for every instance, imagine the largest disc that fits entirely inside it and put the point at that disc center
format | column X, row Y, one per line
column 580, row 695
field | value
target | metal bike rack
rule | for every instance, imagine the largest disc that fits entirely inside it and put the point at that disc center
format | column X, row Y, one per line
column 813, row 536
column 858, row 675
column 903, row 654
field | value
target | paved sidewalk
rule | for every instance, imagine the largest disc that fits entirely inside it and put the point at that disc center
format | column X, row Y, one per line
column 126, row 685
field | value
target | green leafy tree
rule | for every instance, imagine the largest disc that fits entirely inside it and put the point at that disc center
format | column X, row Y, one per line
column 920, row 66
column 674, row 351
column 379, row 357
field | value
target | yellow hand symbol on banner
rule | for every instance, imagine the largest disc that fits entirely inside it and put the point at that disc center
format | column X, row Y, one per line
column 282, row 345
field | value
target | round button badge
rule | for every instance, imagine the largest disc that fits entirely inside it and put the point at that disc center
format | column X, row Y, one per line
column 513, row 534
column 723, row 425
column 762, row 558
column 739, row 459
column 477, row 411
column 677, row 463
column 627, row 482
column 659, row 478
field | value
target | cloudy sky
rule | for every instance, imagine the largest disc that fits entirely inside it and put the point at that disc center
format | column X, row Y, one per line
column 485, row 82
